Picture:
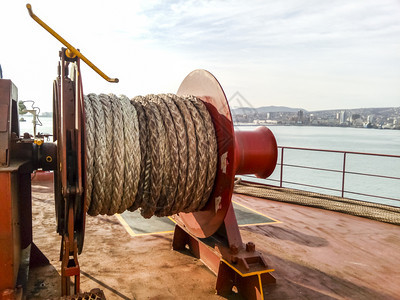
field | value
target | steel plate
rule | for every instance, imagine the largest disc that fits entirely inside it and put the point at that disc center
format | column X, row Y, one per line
column 206, row 222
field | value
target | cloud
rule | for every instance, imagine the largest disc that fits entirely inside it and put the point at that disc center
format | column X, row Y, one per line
column 270, row 24
column 313, row 54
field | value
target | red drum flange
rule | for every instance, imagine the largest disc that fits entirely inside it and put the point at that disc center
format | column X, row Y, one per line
column 246, row 152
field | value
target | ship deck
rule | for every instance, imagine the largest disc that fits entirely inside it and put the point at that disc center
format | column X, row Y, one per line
column 317, row 254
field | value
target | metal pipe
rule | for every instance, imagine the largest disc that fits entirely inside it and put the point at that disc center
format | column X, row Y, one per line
column 71, row 51
column 281, row 180
column 344, row 172
column 338, row 151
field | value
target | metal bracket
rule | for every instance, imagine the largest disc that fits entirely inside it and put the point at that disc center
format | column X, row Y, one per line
column 69, row 258
column 235, row 264
column 71, row 52
column 69, row 176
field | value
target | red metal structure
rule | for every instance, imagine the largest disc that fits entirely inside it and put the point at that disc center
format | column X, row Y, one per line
column 69, row 176
column 212, row 233
column 14, row 177
column 235, row 263
column 19, row 156
column 244, row 152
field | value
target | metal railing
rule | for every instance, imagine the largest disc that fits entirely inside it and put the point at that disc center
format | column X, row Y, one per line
column 343, row 171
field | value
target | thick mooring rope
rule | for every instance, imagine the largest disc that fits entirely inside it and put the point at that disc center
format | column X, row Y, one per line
column 374, row 211
column 157, row 153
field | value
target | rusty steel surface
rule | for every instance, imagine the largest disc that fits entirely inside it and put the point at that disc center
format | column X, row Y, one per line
column 25, row 208
column 205, row 86
column 15, row 192
column 234, row 263
column 68, row 132
column 68, row 182
column 82, row 153
column 317, row 254
column 8, row 118
column 15, row 220
column 11, row 294
column 200, row 250
column 9, row 234
column 94, row 294
column 249, row 286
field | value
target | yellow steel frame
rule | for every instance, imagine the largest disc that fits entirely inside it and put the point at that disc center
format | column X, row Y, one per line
column 71, row 51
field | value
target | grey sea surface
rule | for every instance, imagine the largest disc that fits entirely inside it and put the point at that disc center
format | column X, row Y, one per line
column 364, row 140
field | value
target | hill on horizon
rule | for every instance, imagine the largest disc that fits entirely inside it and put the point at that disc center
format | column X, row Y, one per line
column 265, row 109
column 274, row 109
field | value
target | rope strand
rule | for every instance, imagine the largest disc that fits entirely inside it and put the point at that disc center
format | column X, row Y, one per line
column 156, row 153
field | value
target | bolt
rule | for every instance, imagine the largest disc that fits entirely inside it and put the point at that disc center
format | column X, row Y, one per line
column 250, row 247
column 234, row 249
column 234, row 259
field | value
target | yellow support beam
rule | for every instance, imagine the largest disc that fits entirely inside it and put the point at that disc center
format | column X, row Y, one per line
column 71, row 51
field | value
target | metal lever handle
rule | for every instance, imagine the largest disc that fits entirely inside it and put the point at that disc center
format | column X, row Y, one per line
column 71, row 51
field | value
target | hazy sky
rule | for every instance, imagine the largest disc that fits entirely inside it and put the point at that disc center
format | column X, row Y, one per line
column 310, row 54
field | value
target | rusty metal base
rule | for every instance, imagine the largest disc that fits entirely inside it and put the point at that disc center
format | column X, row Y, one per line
column 12, row 294
column 239, row 270
column 69, row 267
column 94, row 294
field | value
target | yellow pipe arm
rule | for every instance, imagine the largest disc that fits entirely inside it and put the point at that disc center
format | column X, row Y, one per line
column 72, row 51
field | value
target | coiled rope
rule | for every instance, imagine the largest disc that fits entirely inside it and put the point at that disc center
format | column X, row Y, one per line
column 156, row 153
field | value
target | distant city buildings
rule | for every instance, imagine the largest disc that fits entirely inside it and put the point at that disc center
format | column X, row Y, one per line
column 385, row 118
column 342, row 117
column 300, row 117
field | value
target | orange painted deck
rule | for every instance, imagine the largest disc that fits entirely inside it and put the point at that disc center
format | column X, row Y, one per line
column 317, row 254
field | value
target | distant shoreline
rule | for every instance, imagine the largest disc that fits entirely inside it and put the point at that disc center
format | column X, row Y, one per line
column 308, row 125
column 296, row 125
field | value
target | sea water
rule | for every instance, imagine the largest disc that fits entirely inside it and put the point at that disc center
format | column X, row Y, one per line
column 329, row 138
column 341, row 139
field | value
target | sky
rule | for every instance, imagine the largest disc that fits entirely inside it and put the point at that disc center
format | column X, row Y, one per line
column 308, row 54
